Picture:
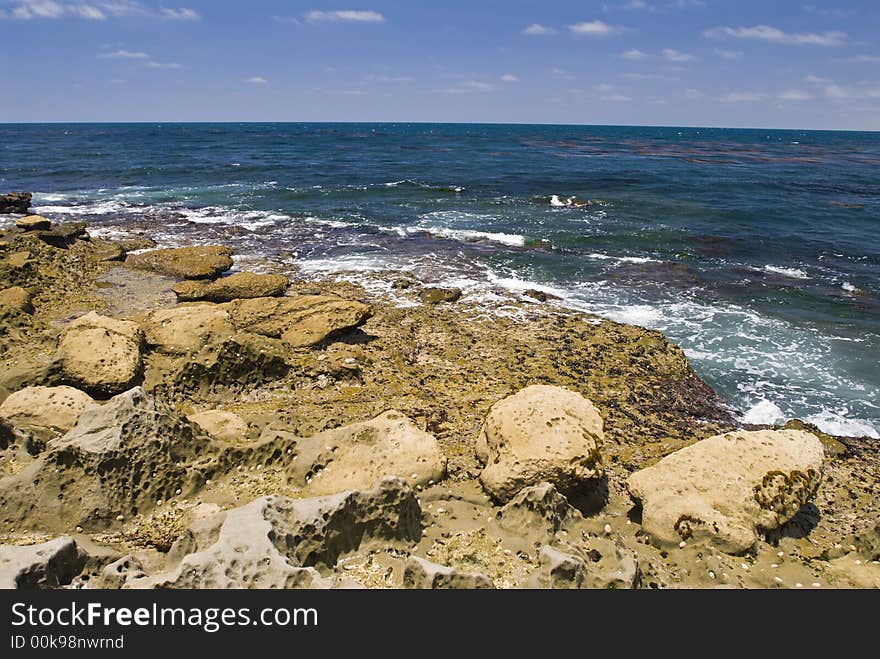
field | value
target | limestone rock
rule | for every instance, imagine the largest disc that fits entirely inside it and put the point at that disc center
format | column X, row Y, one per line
column 432, row 295
column 233, row 363
column 537, row 507
column 100, row 355
column 729, row 488
column 225, row 426
column 360, row 454
column 15, row 202
column 186, row 329
column 16, row 298
column 275, row 542
column 33, row 223
column 423, row 574
column 205, row 262
column 600, row 564
column 106, row 250
column 47, row 565
column 542, row 433
column 45, row 411
column 119, row 459
column 118, row 573
column 242, row 285
column 299, row 321
column 64, row 235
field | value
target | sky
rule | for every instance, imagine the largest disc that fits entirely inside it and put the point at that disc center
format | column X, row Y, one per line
column 737, row 63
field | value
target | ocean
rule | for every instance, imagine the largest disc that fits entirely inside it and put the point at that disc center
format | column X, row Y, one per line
column 757, row 251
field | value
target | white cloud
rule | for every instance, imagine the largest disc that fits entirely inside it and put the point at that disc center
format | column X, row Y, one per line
column 163, row 65
column 693, row 94
column 775, row 35
column 741, row 97
column 677, row 56
column 94, row 10
column 634, row 54
column 616, row 98
column 509, row 77
column 257, row 80
column 124, row 54
column 345, row 15
column 469, row 86
column 592, row 29
column 729, row 54
column 536, row 29
column 794, row 95
column 387, row 78
column 182, row 14
column 816, row 80
column 873, row 59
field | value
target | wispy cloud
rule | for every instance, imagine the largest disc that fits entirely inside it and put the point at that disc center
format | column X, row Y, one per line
column 257, row 80
column 123, row 54
column 163, row 65
column 536, row 29
column 592, row 29
column 775, row 35
column 742, row 97
column 871, row 59
column 469, row 86
column 344, row 16
column 509, row 77
column 795, row 95
column 616, row 98
column 729, row 54
column 96, row 10
column 676, row 56
column 634, row 54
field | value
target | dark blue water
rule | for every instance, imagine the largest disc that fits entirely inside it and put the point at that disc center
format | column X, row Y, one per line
column 757, row 250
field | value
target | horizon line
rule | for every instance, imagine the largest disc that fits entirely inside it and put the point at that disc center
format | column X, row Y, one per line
column 438, row 123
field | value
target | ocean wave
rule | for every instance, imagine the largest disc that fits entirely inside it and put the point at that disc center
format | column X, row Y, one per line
column 792, row 273
column 622, row 259
column 426, row 186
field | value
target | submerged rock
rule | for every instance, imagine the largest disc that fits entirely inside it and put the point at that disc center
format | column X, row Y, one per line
column 299, row 321
column 15, row 202
column 542, row 433
column 100, row 355
column 186, row 329
column 241, row 285
column 275, row 542
column 205, row 262
column 422, row 574
column 360, row 454
column 45, row 412
column 728, row 489
column 433, row 295
column 47, row 565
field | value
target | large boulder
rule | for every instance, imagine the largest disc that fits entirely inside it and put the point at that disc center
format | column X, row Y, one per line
column 358, row 455
column 204, row 262
column 186, row 329
column 118, row 460
column 225, row 426
column 421, row 574
column 241, row 285
column 100, row 355
column 17, row 299
column 47, row 565
column 45, row 412
column 15, row 202
column 33, row 223
column 299, row 321
column 64, row 235
column 275, row 542
column 433, row 295
column 728, row 489
column 543, row 433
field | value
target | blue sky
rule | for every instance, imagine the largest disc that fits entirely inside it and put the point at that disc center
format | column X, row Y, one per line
column 766, row 63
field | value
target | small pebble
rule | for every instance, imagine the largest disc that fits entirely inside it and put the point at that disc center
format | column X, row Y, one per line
column 79, row 529
column 816, row 584
column 711, row 574
column 119, row 518
column 780, row 554
column 682, row 544
column 777, row 579
column 608, row 529
column 799, row 585
column 177, row 491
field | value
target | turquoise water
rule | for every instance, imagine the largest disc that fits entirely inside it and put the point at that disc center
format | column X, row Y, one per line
column 756, row 250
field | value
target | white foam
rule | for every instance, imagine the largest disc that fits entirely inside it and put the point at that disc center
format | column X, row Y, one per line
column 764, row 412
column 793, row 273
column 621, row 259
column 849, row 288
column 836, row 423
column 469, row 235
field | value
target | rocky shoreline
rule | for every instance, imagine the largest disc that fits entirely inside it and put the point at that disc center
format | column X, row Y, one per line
column 165, row 424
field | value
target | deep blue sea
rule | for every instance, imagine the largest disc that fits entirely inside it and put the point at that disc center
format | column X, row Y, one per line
column 758, row 251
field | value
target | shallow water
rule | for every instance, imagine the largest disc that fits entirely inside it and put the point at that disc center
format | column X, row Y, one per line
column 756, row 250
